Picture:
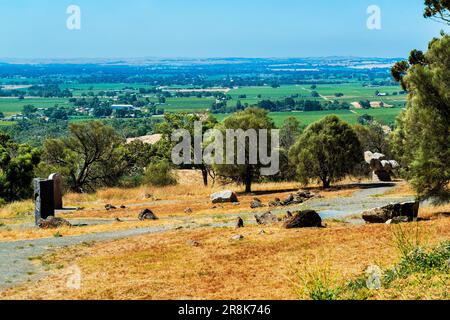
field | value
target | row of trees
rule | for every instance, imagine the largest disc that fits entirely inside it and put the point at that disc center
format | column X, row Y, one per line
column 91, row 155
column 94, row 155
column 288, row 104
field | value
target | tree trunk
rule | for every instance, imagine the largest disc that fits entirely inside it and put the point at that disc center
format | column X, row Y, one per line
column 248, row 180
column 326, row 183
column 248, row 186
column 205, row 175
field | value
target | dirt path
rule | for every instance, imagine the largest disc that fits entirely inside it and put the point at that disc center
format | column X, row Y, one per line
column 16, row 265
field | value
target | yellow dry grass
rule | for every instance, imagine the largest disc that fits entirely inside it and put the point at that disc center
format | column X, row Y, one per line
column 17, row 209
column 165, row 202
column 435, row 212
column 403, row 188
column 262, row 266
column 10, row 234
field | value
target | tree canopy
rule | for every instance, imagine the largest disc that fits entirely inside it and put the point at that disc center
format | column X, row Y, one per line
column 438, row 10
column 327, row 151
column 17, row 165
column 422, row 139
column 251, row 118
column 91, row 156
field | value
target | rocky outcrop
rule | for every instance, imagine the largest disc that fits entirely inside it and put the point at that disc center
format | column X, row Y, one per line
column 391, row 211
column 224, row 196
column 53, row 223
column 294, row 198
column 303, row 219
column 266, row 218
column 256, row 203
column 147, row 214
column 381, row 167
column 276, row 203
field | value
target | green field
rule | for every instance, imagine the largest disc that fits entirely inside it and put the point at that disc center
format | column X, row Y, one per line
column 190, row 104
column 384, row 116
column 352, row 92
column 80, row 88
column 10, row 106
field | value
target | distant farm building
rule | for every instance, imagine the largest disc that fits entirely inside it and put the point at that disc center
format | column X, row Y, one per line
column 126, row 107
column 150, row 139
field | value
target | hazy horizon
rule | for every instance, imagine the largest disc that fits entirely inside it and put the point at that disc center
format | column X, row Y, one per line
column 140, row 29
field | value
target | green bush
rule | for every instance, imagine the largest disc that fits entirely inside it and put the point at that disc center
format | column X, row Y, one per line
column 317, row 283
column 420, row 260
column 159, row 174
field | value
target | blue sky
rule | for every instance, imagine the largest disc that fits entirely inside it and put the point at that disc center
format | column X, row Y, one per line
column 212, row 28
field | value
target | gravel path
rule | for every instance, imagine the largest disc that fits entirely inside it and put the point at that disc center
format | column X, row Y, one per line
column 16, row 265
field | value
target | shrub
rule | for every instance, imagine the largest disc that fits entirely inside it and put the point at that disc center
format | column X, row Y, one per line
column 318, row 283
column 159, row 174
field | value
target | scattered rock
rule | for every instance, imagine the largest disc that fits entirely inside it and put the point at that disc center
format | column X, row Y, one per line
column 123, row 207
column 109, row 207
column 117, row 220
column 297, row 198
column 53, row 223
column 236, row 204
column 148, row 196
column 224, row 196
column 288, row 216
column 391, row 211
column 304, row 219
column 289, row 200
column 237, row 237
column 276, row 203
column 147, row 214
column 188, row 211
column 193, row 243
column 398, row 220
column 239, row 223
column 256, row 203
column 266, row 218
column 261, row 232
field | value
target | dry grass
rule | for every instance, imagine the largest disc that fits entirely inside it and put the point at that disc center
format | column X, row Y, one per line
column 8, row 234
column 435, row 212
column 262, row 266
column 403, row 189
column 163, row 266
column 17, row 209
column 167, row 202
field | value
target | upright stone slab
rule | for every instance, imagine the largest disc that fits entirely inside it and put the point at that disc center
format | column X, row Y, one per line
column 44, row 199
column 57, row 190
